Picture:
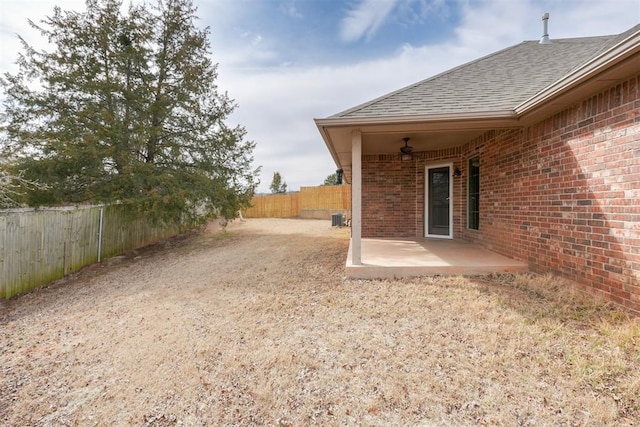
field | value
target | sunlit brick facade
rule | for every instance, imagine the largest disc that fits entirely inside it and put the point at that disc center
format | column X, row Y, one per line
column 562, row 194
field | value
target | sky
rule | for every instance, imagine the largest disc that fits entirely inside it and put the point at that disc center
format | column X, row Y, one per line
column 286, row 62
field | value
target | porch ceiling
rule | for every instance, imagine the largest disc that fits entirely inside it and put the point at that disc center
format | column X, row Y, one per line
column 388, row 138
column 390, row 143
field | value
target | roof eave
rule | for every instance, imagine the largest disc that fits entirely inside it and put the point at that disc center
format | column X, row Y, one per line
column 327, row 141
column 422, row 118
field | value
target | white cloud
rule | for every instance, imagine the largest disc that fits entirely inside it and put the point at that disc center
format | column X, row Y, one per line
column 14, row 17
column 278, row 106
column 495, row 22
column 257, row 39
column 290, row 10
column 417, row 11
column 365, row 19
column 508, row 21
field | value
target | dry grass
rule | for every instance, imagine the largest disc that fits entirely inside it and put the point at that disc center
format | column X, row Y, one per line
column 257, row 326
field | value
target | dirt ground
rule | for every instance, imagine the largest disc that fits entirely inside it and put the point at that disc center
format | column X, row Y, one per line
column 258, row 326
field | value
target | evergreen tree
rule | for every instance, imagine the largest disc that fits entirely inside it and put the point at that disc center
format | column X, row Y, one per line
column 331, row 179
column 278, row 185
column 125, row 109
column 12, row 188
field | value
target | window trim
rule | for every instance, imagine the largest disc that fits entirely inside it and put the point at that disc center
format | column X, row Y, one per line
column 470, row 175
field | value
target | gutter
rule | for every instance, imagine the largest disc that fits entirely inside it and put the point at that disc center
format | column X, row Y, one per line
column 328, row 142
column 428, row 118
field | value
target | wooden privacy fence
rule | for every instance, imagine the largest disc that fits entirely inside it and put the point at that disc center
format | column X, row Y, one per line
column 37, row 247
column 311, row 202
column 274, row 206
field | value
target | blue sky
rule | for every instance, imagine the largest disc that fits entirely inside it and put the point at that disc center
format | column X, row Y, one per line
column 286, row 62
column 307, row 33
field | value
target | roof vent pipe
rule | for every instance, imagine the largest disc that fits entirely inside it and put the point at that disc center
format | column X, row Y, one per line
column 545, row 36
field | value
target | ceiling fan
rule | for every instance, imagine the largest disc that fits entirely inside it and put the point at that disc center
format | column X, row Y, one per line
column 407, row 149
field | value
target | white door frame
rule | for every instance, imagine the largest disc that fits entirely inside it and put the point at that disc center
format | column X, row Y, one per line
column 426, row 201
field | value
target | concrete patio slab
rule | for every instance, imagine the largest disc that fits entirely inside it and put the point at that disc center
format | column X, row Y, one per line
column 393, row 258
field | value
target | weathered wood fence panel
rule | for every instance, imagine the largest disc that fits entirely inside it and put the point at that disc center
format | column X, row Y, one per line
column 37, row 247
column 310, row 202
column 123, row 233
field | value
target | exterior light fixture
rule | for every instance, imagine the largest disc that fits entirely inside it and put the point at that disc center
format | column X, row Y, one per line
column 405, row 152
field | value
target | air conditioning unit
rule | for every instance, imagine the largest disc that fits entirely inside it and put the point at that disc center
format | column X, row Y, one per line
column 337, row 220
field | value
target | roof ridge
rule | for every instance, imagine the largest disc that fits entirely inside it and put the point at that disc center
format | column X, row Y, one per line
column 604, row 36
column 505, row 88
column 418, row 83
column 604, row 50
column 616, row 38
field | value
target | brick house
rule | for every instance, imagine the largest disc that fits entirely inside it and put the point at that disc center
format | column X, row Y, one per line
column 532, row 152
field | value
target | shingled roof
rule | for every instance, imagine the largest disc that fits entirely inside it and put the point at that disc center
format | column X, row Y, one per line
column 511, row 88
column 498, row 82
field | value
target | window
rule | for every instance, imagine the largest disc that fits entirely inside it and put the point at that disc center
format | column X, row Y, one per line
column 474, row 194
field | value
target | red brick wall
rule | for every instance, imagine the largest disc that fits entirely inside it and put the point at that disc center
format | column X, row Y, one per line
column 393, row 193
column 563, row 194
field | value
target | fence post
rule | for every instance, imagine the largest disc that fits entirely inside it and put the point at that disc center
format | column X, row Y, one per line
column 100, row 232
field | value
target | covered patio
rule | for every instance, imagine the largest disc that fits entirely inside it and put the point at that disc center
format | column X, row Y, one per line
column 392, row 258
